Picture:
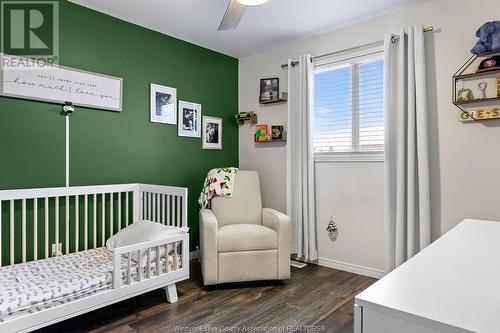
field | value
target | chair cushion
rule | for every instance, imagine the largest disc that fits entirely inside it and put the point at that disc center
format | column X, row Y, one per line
column 245, row 206
column 246, row 237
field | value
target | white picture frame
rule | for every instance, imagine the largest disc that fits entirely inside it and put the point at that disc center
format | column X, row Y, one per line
column 189, row 120
column 163, row 104
column 212, row 133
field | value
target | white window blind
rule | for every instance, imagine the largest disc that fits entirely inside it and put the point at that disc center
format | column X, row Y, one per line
column 349, row 106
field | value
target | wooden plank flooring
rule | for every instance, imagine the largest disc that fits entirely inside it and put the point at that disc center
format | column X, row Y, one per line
column 315, row 295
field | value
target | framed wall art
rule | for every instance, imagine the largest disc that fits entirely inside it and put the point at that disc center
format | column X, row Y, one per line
column 163, row 104
column 189, row 119
column 212, row 133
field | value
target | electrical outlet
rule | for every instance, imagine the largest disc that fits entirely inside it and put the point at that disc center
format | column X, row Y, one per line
column 56, row 249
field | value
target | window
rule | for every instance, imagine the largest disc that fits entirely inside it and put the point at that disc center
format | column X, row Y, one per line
column 349, row 106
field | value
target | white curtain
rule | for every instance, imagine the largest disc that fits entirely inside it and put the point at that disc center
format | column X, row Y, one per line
column 407, row 194
column 300, row 163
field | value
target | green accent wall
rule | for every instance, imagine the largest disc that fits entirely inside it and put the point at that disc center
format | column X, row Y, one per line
column 111, row 147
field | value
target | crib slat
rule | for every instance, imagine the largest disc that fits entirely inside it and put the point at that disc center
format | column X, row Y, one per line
column 150, row 206
column 143, row 206
column 103, row 226
column 46, row 233
column 129, row 268
column 11, row 221
column 66, row 228
column 166, row 261
column 178, row 210
column 111, row 214
column 57, row 226
column 175, row 256
column 85, row 222
column 139, row 266
column 11, row 232
column 94, row 221
column 23, row 229
column 119, row 211
column 168, row 209
column 77, row 221
column 158, row 208
column 35, row 230
column 158, row 268
column 126, row 209
column 149, row 263
column 163, row 209
column 0, row 233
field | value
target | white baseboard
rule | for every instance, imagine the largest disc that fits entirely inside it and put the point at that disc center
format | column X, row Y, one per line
column 351, row 268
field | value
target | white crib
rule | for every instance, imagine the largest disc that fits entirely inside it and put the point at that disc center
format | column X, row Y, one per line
column 60, row 221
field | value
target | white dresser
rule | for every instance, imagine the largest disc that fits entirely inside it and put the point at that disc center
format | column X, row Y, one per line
column 453, row 285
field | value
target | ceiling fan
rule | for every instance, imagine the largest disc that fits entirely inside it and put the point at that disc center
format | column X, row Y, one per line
column 235, row 11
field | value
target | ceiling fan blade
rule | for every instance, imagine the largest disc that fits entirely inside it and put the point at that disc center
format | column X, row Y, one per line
column 233, row 15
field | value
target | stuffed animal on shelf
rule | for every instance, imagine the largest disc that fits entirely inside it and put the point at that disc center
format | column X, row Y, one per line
column 489, row 38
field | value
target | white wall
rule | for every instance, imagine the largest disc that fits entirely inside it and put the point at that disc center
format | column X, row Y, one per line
column 465, row 181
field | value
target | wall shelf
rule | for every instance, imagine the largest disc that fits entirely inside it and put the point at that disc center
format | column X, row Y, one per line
column 476, row 101
column 273, row 101
column 283, row 139
column 477, row 108
column 241, row 121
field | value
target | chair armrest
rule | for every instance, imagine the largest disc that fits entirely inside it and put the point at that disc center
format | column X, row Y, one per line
column 208, row 246
column 280, row 223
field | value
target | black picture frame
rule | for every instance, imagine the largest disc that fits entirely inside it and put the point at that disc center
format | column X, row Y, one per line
column 269, row 89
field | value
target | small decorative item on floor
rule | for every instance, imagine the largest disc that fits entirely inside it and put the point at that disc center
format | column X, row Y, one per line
column 269, row 90
column 489, row 38
column 277, row 132
column 333, row 231
column 212, row 133
column 261, row 133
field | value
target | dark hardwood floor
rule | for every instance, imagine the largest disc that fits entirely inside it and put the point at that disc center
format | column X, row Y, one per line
column 314, row 296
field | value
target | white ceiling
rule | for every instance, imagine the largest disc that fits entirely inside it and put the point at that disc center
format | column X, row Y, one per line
column 261, row 28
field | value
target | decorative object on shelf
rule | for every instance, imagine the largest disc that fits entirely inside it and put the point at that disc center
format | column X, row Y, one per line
column 481, row 114
column 284, row 96
column 277, row 132
column 212, row 133
column 489, row 38
column 482, row 86
column 189, row 119
column 249, row 115
column 464, row 95
column 490, row 64
column 269, row 90
column 59, row 84
column 333, row 231
column 163, row 104
column 476, row 87
column 261, row 133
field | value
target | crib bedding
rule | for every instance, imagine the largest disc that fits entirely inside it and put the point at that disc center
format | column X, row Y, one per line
column 37, row 285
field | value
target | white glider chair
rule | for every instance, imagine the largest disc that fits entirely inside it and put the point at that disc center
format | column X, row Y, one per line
column 241, row 241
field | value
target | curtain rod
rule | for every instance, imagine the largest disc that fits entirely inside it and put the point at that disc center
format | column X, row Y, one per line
column 395, row 38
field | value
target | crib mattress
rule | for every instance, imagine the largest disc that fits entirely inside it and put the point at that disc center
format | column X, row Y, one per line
column 37, row 285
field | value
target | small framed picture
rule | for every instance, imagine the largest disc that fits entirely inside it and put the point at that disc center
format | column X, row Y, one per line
column 163, row 104
column 212, row 133
column 269, row 89
column 189, row 119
